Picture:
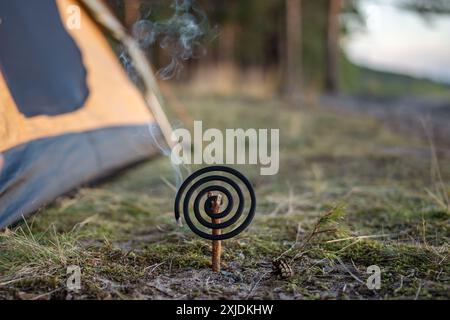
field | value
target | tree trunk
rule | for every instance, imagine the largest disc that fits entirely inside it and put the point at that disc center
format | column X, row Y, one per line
column 132, row 13
column 332, row 56
column 292, row 65
column 227, row 41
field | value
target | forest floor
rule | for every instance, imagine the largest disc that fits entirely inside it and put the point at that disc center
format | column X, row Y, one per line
column 383, row 196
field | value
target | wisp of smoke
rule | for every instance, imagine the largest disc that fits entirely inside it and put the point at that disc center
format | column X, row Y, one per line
column 154, row 131
column 182, row 36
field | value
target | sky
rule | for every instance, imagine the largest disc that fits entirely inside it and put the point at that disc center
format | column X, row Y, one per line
column 400, row 41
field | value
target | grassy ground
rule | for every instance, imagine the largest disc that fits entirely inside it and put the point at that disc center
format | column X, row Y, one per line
column 382, row 197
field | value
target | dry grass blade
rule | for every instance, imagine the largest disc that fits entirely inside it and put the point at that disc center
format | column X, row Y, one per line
column 26, row 256
column 441, row 194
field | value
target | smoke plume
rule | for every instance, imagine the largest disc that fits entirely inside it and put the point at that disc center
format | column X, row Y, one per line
column 182, row 36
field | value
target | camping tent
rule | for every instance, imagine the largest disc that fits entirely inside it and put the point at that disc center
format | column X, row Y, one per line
column 68, row 112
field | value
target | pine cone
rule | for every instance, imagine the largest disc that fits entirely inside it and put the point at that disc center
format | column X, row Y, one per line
column 282, row 269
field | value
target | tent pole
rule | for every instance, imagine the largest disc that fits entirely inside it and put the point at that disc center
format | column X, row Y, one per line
column 1, row 162
column 104, row 16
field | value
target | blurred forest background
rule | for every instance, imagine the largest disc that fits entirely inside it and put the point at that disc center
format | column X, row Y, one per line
column 290, row 47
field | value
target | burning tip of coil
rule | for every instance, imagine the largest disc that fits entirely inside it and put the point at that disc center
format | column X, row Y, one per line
column 179, row 223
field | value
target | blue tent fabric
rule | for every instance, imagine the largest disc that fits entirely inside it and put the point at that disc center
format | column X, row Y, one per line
column 35, row 43
column 44, row 87
column 39, row 171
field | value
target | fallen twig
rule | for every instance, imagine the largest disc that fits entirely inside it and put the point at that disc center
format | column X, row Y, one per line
column 351, row 273
column 360, row 238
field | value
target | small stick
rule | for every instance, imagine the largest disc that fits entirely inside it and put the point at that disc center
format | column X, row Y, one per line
column 216, row 244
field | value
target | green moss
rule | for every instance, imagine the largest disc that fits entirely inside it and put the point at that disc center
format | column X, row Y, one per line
column 123, row 236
